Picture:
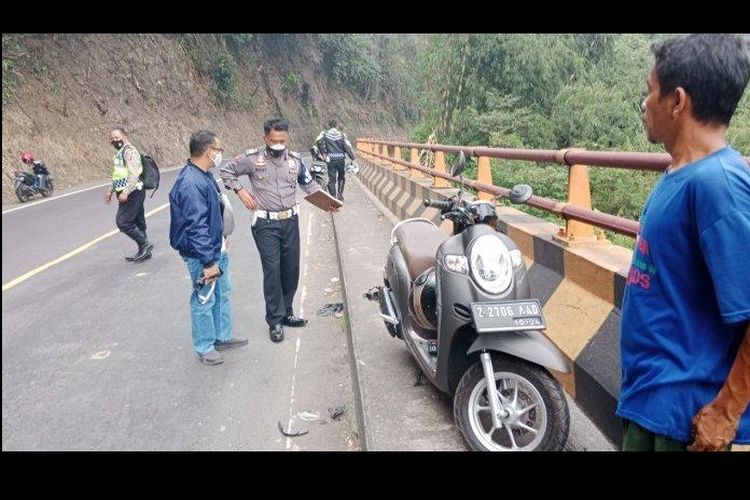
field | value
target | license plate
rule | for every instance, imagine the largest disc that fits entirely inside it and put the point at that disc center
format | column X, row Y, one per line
column 507, row 316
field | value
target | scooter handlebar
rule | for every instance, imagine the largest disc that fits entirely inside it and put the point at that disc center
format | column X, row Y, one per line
column 442, row 205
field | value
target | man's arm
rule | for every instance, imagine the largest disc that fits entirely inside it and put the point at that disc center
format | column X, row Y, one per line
column 305, row 180
column 132, row 159
column 195, row 212
column 230, row 172
column 348, row 147
column 715, row 425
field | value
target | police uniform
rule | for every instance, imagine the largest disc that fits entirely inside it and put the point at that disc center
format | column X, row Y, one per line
column 273, row 185
column 131, row 219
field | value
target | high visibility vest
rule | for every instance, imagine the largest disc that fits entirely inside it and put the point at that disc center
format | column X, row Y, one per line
column 120, row 172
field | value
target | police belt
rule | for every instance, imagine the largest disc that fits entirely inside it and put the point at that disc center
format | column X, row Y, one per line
column 283, row 215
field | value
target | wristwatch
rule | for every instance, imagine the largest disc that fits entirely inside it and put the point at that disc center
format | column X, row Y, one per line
column 237, row 190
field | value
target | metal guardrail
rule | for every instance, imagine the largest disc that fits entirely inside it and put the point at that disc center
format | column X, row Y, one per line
column 576, row 210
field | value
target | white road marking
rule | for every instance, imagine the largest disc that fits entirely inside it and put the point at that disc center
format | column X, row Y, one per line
column 98, row 186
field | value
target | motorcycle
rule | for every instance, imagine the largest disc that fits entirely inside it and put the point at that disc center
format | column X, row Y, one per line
column 463, row 306
column 26, row 185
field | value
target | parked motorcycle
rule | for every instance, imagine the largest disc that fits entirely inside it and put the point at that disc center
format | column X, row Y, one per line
column 26, row 185
column 463, row 306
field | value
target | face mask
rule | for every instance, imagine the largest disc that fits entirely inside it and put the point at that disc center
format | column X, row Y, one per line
column 117, row 144
column 216, row 159
column 276, row 149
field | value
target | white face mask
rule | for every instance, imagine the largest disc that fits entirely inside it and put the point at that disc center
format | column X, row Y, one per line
column 277, row 149
column 216, row 159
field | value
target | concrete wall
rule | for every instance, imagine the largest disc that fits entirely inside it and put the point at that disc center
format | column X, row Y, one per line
column 581, row 289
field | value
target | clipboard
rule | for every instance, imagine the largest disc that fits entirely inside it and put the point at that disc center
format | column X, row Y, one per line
column 323, row 200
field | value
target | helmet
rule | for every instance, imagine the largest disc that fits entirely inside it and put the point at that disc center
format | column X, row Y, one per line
column 423, row 300
column 27, row 157
column 352, row 168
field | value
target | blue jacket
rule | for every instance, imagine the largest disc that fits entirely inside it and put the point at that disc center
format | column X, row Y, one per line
column 196, row 225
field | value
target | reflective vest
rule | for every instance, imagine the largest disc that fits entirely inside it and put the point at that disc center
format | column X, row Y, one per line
column 120, row 172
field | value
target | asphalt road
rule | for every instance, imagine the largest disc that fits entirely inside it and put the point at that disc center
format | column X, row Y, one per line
column 97, row 353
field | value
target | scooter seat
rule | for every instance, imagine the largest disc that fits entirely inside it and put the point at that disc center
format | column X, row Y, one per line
column 419, row 241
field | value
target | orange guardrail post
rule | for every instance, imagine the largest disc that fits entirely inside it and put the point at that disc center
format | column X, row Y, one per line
column 578, row 233
column 439, row 182
column 397, row 155
column 414, row 158
column 484, row 174
column 384, row 152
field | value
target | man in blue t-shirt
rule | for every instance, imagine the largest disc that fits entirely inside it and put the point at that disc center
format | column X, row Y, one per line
column 685, row 336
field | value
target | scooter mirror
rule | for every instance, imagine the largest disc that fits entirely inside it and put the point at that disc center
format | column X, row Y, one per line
column 459, row 164
column 520, row 193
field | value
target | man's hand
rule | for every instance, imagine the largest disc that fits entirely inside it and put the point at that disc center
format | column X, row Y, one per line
column 334, row 208
column 122, row 197
column 247, row 199
column 210, row 273
column 108, row 197
column 229, row 245
column 713, row 429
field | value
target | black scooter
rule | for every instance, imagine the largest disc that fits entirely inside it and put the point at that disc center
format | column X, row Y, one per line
column 26, row 185
column 463, row 306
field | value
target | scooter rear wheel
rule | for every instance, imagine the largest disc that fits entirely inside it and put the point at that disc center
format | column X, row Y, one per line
column 49, row 187
column 535, row 409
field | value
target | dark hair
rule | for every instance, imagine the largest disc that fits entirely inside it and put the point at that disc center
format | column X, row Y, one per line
column 120, row 129
column 712, row 68
column 276, row 124
column 331, row 123
column 200, row 141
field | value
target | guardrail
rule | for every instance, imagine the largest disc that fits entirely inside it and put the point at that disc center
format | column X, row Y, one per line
column 579, row 217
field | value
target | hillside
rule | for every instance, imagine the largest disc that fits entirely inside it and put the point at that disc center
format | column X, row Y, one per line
column 63, row 93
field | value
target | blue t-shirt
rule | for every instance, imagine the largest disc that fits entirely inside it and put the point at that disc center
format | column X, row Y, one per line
column 687, row 296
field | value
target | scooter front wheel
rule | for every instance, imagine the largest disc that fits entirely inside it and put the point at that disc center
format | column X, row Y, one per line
column 534, row 412
column 24, row 193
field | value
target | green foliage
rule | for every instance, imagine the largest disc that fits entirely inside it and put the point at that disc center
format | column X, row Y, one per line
column 347, row 58
column 224, row 75
column 547, row 92
column 290, row 83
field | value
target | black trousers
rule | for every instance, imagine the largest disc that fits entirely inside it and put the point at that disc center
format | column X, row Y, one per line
column 336, row 177
column 131, row 214
column 278, row 246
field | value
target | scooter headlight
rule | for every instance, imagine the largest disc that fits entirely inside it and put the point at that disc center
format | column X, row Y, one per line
column 490, row 264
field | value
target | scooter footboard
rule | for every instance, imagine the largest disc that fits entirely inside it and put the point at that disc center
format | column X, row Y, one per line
column 530, row 345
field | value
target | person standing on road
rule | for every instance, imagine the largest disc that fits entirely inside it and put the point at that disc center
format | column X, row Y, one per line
column 197, row 231
column 335, row 147
column 274, row 173
column 130, row 219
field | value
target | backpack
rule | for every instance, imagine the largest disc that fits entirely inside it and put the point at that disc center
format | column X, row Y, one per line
column 150, row 175
column 149, row 171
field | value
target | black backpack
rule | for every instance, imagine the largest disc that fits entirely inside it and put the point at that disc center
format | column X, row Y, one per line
column 150, row 175
column 149, row 171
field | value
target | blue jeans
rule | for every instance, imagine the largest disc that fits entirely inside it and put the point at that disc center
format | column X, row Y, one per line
column 212, row 321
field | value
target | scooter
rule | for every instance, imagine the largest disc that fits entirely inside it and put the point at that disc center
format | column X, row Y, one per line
column 464, row 308
column 26, row 186
column 318, row 168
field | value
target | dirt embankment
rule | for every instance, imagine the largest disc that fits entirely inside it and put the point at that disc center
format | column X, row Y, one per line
column 64, row 93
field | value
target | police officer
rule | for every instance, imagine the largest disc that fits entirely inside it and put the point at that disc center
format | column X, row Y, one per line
column 274, row 174
column 335, row 147
column 126, row 182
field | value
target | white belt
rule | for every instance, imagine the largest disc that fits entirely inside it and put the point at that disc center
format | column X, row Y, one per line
column 286, row 214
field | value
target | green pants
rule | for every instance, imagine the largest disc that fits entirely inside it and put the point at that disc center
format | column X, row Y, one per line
column 637, row 438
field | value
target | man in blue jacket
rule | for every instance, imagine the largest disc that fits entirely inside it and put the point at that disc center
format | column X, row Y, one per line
column 196, row 231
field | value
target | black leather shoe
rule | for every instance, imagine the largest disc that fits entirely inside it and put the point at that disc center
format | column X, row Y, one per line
column 294, row 321
column 277, row 333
